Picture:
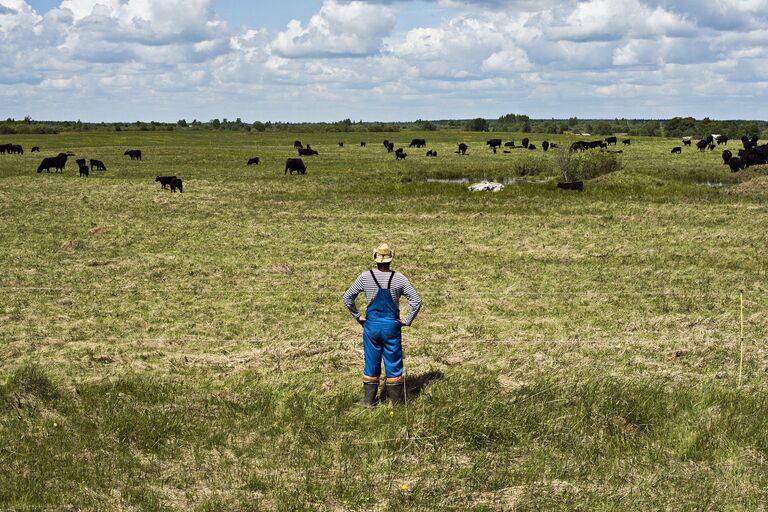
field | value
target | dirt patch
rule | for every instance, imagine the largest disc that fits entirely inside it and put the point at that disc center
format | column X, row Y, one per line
column 280, row 269
column 98, row 230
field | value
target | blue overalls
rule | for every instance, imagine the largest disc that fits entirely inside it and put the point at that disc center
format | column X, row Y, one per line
column 382, row 335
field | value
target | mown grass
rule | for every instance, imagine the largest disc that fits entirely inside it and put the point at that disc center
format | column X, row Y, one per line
column 576, row 351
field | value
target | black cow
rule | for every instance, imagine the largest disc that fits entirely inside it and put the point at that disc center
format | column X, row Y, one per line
column 386, row 144
column 711, row 147
column 390, row 147
column 574, row 185
column 545, row 146
column 626, row 142
column 135, row 154
column 709, row 138
column 177, row 184
column 579, row 145
column 525, row 142
column 35, row 149
column 611, row 141
column 676, row 150
column 253, row 161
column 362, row 144
column 735, row 164
column 84, row 171
column 494, row 143
column 15, row 149
column 307, row 151
column 297, row 144
column 462, row 149
column 164, row 180
column 727, row 155
column 596, row 144
column 400, row 155
column 341, row 144
column 532, row 147
column 4, row 148
column 722, row 139
column 98, row 165
column 686, row 142
column 418, row 143
column 509, row 144
column 295, row 164
column 702, row 144
column 80, row 162
column 431, row 152
column 56, row 162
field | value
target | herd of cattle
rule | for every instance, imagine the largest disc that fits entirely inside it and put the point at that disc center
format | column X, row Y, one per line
column 751, row 154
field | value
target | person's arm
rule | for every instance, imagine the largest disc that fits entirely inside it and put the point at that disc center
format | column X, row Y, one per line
column 414, row 301
column 350, row 296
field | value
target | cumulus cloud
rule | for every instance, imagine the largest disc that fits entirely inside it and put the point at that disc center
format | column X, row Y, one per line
column 339, row 29
column 352, row 58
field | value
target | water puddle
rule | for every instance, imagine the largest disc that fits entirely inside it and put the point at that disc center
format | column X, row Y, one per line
column 466, row 181
column 714, row 184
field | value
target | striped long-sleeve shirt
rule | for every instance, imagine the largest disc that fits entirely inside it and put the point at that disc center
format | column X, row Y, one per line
column 400, row 286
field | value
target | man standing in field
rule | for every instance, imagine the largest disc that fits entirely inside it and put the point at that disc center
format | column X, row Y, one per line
column 382, row 336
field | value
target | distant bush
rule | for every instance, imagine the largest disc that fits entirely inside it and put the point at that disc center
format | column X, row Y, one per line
column 379, row 127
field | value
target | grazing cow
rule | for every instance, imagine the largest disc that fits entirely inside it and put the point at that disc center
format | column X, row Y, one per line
column 176, row 184
column 253, row 161
column 721, row 139
column 545, row 146
column 135, row 154
column 431, row 153
column 297, row 144
column 362, row 144
column 15, row 149
column 341, row 144
column 579, row 145
column 509, row 144
column 400, row 155
column 626, row 142
column 165, row 181
column 98, row 165
column 711, row 147
column 596, row 144
column 3, row 148
column 56, row 162
column 532, row 147
column 80, row 162
column 676, row 150
column 611, row 141
column 307, row 151
column 709, row 138
column 702, row 145
column 390, row 147
column 525, row 142
column 727, row 155
column 84, row 171
column 35, row 149
column 418, row 143
column 462, row 149
column 386, row 144
column 735, row 164
column 686, row 142
column 295, row 164
column 494, row 143
column 574, row 185
column 757, row 155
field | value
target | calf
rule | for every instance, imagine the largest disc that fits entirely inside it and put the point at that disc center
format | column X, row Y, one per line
column 84, row 170
column 164, row 180
column 176, row 184
column 735, row 164
column 509, row 144
column 253, row 161
column 575, row 185
column 307, row 151
column 431, row 152
column 462, row 149
column 711, row 147
column 626, row 142
column 686, row 142
column 676, row 150
column 545, row 146
column 400, row 154
column 35, row 149
column 341, row 144
column 532, row 147
column 80, row 162
column 362, row 144
column 98, row 165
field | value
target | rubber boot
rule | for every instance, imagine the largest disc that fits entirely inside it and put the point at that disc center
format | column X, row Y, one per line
column 369, row 394
column 395, row 392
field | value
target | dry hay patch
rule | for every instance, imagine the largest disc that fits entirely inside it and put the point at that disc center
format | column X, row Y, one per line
column 757, row 187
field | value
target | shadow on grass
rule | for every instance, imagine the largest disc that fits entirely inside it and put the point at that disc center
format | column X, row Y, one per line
column 414, row 385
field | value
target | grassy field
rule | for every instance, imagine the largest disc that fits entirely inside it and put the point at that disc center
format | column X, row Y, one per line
column 190, row 351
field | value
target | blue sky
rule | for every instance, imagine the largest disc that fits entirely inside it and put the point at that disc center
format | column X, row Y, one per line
column 315, row 60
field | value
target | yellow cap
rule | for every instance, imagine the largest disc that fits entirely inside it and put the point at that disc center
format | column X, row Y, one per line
column 383, row 254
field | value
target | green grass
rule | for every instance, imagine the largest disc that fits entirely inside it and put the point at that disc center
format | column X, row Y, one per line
column 578, row 351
